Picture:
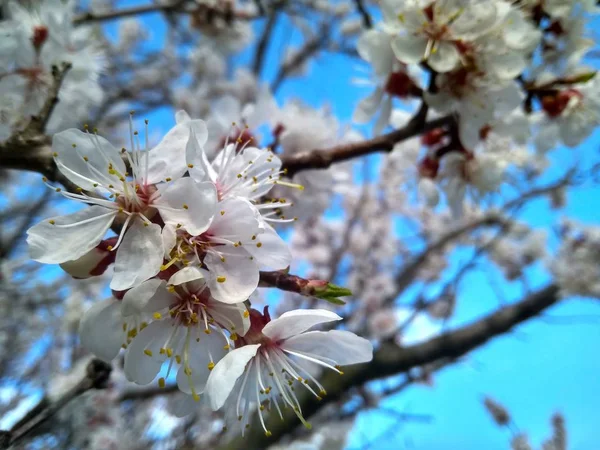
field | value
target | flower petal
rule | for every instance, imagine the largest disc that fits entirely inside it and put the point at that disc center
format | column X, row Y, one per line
column 201, row 169
column 189, row 273
column 188, row 203
column 273, row 251
column 168, row 158
column 236, row 319
column 140, row 367
column 444, row 58
column 100, row 329
column 69, row 237
column 341, row 346
column 225, row 374
column 409, row 49
column 150, row 296
column 297, row 321
column 139, row 256
column 84, row 158
column 237, row 220
column 234, row 278
column 209, row 349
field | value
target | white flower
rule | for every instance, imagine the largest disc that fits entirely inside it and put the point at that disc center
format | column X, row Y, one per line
column 93, row 164
column 274, row 355
column 188, row 330
column 433, row 32
column 234, row 246
column 477, row 100
column 569, row 116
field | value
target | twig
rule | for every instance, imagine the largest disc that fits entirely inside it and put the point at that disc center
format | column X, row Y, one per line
column 366, row 17
column 323, row 158
column 310, row 47
column 261, row 47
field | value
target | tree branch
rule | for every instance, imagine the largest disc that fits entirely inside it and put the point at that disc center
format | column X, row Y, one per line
column 323, row 158
column 390, row 359
column 364, row 14
column 261, row 47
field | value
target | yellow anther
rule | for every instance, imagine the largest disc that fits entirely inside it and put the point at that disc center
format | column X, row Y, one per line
column 246, row 314
column 161, row 382
column 157, row 315
column 207, row 331
column 95, row 184
column 191, row 166
column 162, row 351
column 178, row 359
column 234, row 336
column 239, row 175
column 86, row 159
column 221, row 279
column 259, row 244
column 169, row 352
column 196, row 397
column 211, row 365
column 58, row 189
column 54, row 154
column 222, row 259
column 185, row 206
column 51, row 222
column 226, row 347
column 268, row 433
column 143, row 325
column 168, row 179
column 187, row 371
column 253, row 237
column 171, row 288
column 148, row 352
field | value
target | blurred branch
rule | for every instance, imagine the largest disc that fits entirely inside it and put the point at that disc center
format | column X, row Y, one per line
column 390, row 359
column 310, row 47
column 364, row 14
column 96, row 377
column 263, row 43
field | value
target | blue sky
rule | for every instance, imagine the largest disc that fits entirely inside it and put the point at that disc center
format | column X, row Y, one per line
column 537, row 370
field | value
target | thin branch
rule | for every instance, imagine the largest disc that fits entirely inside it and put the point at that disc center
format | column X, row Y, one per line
column 323, row 158
column 310, row 47
column 390, row 359
column 261, row 47
column 364, row 14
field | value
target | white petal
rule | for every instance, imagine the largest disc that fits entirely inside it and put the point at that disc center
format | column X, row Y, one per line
column 374, row 46
column 273, row 252
column 297, row 321
column 139, row 367
column 169, row 238
column 367, row 107
column 150, row 296
column 444, row 58
column 100, row 329
column 201, row 169
column 237, row 220
column 92, row 263
column 200, row 353
column 188, row 203
column 223, row 377
column 189, row 273
column 239, row 317
column 69, row 237
column 182, row 116
column 409, row 49
column 73, row 145
column 428, row 192
column 168, row 158
column 139, row 256
column 240, row 275
column 343, row 347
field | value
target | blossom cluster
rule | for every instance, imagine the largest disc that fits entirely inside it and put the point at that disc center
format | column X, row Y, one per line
column 32, row 42
column 192, row 234
column 507, row 73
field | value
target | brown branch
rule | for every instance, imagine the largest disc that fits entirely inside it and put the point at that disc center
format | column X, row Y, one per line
column 390, row 359
column 323, row 158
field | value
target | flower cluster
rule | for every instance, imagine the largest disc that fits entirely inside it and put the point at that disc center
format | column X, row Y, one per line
column 31, row 43
column 192, row 235
column 481, row 62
